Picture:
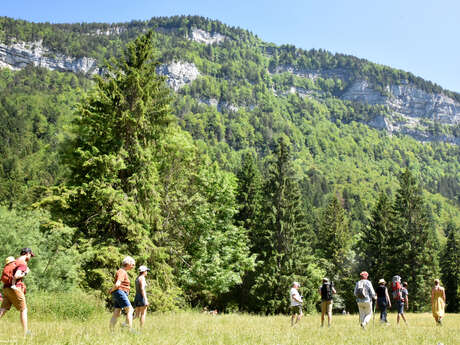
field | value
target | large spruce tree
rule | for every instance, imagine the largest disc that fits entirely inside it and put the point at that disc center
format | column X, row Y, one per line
column 333, row 248
column 111, row 195
column 249, row 198
column 282, row 240
column 374, row 242
column 413, row 244
column 450, row 268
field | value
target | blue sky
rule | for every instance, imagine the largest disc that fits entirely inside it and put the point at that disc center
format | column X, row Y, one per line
column 422, row 37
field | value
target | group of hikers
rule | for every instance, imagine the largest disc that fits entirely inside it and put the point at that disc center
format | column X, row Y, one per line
column 367, row 297
column 16, row 269
column 14, row 290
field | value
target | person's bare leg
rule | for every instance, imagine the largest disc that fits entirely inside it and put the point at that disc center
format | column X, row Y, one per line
column 23, row 316
column 298, row 317
column 397, row 319
column 2, row 312
column 329, row 319
column 322, row 318
column 142, row 314
column 113, row 320
column 404, row 318
column 129, row 317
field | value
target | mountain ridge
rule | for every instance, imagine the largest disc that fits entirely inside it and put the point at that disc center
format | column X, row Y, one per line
column 413, row 102
column 234, row 92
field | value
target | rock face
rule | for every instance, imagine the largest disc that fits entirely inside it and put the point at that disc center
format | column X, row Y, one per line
column 413, row 109
column 19, row 55
column 409, row 101
column 179, row 73
column 205, row 37
column 314, row 73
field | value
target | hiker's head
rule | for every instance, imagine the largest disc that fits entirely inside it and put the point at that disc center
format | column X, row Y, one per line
column 27, row 253
column 143, row 269
column 382, row 281
column 325, row 280
column 296, row 285
column 128, row 263
column 364, row 275
column 9, row 259
column 405, row 284
column 436, row 282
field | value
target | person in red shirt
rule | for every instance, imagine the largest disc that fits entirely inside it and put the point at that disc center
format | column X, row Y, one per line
column 120, row 292
column 14, row 294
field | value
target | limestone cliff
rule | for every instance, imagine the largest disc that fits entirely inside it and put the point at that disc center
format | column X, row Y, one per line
column 413, row 110
column 179, row 73
column 21, row 54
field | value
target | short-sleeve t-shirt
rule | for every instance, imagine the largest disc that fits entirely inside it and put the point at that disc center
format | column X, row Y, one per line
column 295, row 293
column 21, row 265
column 122, row 276
column 404, row 293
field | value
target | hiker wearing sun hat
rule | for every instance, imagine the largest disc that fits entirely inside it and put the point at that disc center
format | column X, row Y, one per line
column 383, row 300
column 364, row 292
column 140, row 300
column 326, row 290
column 14, row 288
column 296, row 303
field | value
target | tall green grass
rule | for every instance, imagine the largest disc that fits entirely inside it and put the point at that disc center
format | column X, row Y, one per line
column 72, row 305
column 189, row 328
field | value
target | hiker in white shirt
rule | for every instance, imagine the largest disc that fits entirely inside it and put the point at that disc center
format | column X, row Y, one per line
column 364, row 292
column 296, row 303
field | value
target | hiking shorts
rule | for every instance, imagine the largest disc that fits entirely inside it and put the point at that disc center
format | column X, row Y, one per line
column 13, row 297
column 326, row 307
column 120, row 299
column 296, row 309
column 400, row 306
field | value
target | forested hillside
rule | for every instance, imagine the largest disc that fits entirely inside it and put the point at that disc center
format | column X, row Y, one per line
column 254, row 170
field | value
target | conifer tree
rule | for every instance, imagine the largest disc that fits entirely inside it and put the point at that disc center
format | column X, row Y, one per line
column 374, row 241
column 333, row 247
column 249, row 193
column 333, row 237
column 413, row 244
column 249, row 199
column 450, row 268
column 111, row 195
column 284, row 252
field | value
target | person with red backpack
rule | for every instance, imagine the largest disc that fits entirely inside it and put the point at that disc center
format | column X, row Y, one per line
column 14, row 287
column 400, row 297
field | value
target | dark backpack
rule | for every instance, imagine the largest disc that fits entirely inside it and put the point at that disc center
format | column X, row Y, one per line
column 326, row 292
column 8, row 273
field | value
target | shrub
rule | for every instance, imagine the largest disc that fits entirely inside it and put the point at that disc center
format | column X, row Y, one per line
column 75, row 304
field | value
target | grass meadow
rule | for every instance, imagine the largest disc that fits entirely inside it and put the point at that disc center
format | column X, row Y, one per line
column 195, row 328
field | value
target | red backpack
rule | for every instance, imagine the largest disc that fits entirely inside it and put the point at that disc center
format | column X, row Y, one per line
column 396, row 288
column 8, row 273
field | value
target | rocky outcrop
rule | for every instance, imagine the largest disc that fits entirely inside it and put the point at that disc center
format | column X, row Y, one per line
column 409, row 105
column 179, row 73
column 114, row 30
column 314, row 74
column 221, row 106
column 205, row 37
column 21, row 54
column 407, row 100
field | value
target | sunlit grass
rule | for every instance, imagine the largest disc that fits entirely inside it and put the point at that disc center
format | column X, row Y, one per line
column 194, row 328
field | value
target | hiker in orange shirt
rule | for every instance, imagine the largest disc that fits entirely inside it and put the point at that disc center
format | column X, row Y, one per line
column 14, row 288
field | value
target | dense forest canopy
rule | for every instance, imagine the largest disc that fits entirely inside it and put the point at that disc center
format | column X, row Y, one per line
column 217, row 199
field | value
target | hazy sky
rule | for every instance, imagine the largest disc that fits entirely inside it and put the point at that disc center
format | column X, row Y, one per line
column 419, row 36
